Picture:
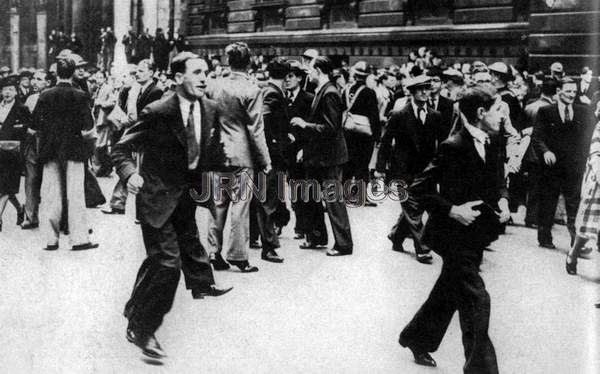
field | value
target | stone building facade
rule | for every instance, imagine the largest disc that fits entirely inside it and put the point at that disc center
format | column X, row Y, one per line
column 525, row 32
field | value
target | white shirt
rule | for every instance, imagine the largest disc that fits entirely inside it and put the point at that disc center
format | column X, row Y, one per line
column 561, row 110
column 5, row 109
column 480, row 139
column 294, row 94
column 423, row 116
column 184, row 106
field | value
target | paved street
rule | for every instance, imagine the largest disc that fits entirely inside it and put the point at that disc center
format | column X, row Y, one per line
column 60, row 312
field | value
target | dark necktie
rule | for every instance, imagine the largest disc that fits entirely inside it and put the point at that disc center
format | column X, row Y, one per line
column 487, row 149
column 193, row 148
column 567, row 114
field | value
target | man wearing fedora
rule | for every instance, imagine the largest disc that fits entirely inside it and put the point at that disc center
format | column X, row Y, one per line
column 415, row 130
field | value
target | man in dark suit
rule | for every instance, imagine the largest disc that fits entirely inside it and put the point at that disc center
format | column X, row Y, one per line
column 587, row 87
column 325, row 153
column 173, row 136
column 62, row 117
column 465, row 217
column 277, row 122
column 132, row 100
column 561, row 139
column 24, row 88
column 414, row 129
column 299, row 103
column 440, row 103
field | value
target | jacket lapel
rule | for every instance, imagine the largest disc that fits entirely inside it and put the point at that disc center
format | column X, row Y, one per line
column 411, row 123
column 317, row 99
column 205, row 111
column 176, row 121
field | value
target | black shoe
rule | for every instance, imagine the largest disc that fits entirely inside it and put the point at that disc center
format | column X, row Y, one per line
column 421, row 358
column 244, row 266
column 51, row 247
column 299, row 236
column 148, row 343
column 218, row 263
column 255, row 245
column 271, row 256
column 211, row 290
column 548, row 245
column 424, row 258
column 29, row 225
column 571, row 267
column 112, row 210
column 337, row 253
column 83, row 247
column 20, row 216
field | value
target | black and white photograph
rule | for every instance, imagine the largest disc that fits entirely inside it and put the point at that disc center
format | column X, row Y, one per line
column 300, row 186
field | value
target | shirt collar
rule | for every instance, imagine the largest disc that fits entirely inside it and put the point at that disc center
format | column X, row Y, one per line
column 7, row 106
column 415, row 107
column 478, row 134
column 561, row 107
column 185, row 103
column 294, row 93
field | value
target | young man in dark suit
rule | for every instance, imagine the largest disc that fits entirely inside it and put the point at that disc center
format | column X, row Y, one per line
column 299, row 102
column 440, row 103
column 132, row 101
column 277, row 123
column 561, row 139
column 465, row 217
column 172, row 136
column 415, row 130
column 325, row 153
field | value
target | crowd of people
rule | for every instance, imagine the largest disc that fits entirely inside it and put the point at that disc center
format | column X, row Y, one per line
column 477, row 146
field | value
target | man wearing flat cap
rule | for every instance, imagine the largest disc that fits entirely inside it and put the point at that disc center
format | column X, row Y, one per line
column 415, row 130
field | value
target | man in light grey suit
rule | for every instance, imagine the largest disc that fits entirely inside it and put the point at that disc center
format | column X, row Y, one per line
column 241, row 150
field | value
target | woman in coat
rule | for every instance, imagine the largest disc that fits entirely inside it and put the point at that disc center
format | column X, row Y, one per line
column 14, row 120
column 587, row 221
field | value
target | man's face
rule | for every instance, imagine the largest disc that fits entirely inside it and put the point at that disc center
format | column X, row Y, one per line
column 24, row 82
column 493, row 118
column 100, row 78
column 391, row 82
column 193, row 80
column 482, row 78
column 38, row 82
column 567, row 93
column 79, row 72
column 9, row 93
column 143, row 74
column 291, row 82
column 436, row 85
column 421, row 94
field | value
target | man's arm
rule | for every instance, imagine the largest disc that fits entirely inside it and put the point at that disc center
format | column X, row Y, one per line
column 332, row 115
column 133, row 138
column 385, row 149
column 256, row 130
column 539, row 135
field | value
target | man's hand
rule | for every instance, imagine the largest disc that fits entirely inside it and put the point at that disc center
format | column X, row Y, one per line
column 504, row 215
column 465, row 214
column 267, row 169
column 549, row 158
column 297, row 121
column 135, row 183
column 300, row 156
column 291, row 137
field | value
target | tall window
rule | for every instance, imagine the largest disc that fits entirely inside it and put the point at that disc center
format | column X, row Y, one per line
column 270, row 15
column 428, row 11
column 339, row 14
column 208, row 16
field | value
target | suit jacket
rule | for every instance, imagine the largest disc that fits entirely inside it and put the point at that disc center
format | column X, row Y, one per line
column 23, row 95
column 415, row 143
column 570, row 142
column 365, row 104
column 61, row 114
column 516, row 111
column 149, row 95
column 530, row 159
column 462, row 176
column 446, row 108
column 160, row 139
column 589, row 92
column 15, row 127
column 277, row 124
column 300, row 107
column 241, row 126
column 324, row 142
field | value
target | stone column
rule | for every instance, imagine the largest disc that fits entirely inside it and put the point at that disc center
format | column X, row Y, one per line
column 162, row 14
column 41, row 22
column 14, row 35
column 77, row 18
column 150, row 15
column 122, row 14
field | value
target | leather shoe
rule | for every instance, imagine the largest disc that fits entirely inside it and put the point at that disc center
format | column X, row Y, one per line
column 271, row 256
column 571, row 266
column 244, row 266
column 82, row 247
column 29, row 225
column 148, row 343
column 255, row 245
column 421, row 358
column 337, row 253
column 51, row 247
column 548, row 245
column 299, row 236
column 218, row 262
column 424, row 258
column 212, row 290
column 113, row 211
